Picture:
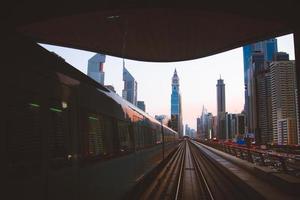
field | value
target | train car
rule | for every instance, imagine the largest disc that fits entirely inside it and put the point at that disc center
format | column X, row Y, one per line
column 64, row 136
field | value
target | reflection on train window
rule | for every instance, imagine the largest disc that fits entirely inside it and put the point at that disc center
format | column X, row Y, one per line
column 58, row 135
column 109, row 135
column 123, row 135
column 24, row 139
column 138, row 136
column 159, row 135
column 95, row 134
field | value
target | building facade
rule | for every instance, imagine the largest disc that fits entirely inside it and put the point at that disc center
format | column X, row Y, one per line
column 130, row 87
column 284, row 102
column 95, row 68
column 176, row 112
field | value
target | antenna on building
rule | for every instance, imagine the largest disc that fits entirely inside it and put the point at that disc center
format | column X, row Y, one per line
column 125, row 26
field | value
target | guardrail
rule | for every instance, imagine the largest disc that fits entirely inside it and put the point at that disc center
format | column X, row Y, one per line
column 281, row 162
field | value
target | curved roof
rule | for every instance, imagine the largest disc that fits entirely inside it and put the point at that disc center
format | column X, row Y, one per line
column 152, row 30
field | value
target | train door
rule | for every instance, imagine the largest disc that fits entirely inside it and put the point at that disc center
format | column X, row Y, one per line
column 62, row 166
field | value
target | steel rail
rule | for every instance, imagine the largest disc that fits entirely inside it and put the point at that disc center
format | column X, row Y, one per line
column 199, row 169
column 180, row 174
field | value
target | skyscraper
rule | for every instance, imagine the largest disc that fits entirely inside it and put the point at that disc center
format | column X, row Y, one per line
column 230, row 125
column 130, row 87
column 240, row 122
column 268, row 48
column 95, row 68
column 259, row 99
column 176, row 112
column 284, row 102
column 221, row 109
column 205, row 126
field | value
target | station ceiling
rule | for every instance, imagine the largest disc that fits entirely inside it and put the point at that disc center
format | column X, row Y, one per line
column 157, row 31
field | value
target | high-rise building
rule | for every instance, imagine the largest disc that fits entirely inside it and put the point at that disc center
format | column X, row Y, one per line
column 230, row 125
column 141, row 105
column 189, row 131
column 95, row 68
column 240, row 126
column 235, row 126
column 130, row 87
column 281, row 56
column 214, row 126
column 205, row 125
column 284, row 102
column 259, row 99
column 221, row 110
column 176, row 112
column 199, row 124
column 268, row 48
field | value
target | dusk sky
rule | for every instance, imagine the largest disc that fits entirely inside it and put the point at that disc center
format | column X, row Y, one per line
column 198, row 79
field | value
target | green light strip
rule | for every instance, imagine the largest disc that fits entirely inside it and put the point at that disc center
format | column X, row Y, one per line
column 55, row 110
column 34, row 105
column 93, row 118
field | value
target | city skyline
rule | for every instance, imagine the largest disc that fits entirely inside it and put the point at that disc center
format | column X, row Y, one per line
column 198, row 79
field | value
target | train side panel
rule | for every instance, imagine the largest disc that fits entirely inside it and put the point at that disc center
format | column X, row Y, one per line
column 64, row 136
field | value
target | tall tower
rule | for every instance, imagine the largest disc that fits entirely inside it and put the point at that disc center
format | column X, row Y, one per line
column 95, row 68
column 268, row 48
column 284, row 102
column 259, row 99
column 130, row 87
column 176, row 113
column 221, row 110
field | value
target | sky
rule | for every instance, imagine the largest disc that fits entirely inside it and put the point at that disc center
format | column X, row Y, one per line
column 197, row 78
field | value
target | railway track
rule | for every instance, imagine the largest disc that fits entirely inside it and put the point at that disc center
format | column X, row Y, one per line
column 166, row 183
column 192, row 174
column 193, row 184
column 222, row 184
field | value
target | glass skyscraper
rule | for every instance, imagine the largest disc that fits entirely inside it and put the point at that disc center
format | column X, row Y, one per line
column 130, row 87
column 95, row 68
column 176, row 113
column 268, row 48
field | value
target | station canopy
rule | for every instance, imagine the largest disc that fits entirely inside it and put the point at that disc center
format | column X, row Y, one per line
column 157, row 31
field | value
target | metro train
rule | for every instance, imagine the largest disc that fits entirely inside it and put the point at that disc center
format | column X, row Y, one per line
column 64, row 136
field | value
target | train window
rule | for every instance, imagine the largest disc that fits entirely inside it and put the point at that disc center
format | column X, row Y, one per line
column 123, row 129
column 159, row 135
column 142, row 133
column 24, row 138
column 150, row 137
column 58, row 136
column 138, row 133
column 109, row 135
column 95, row 134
